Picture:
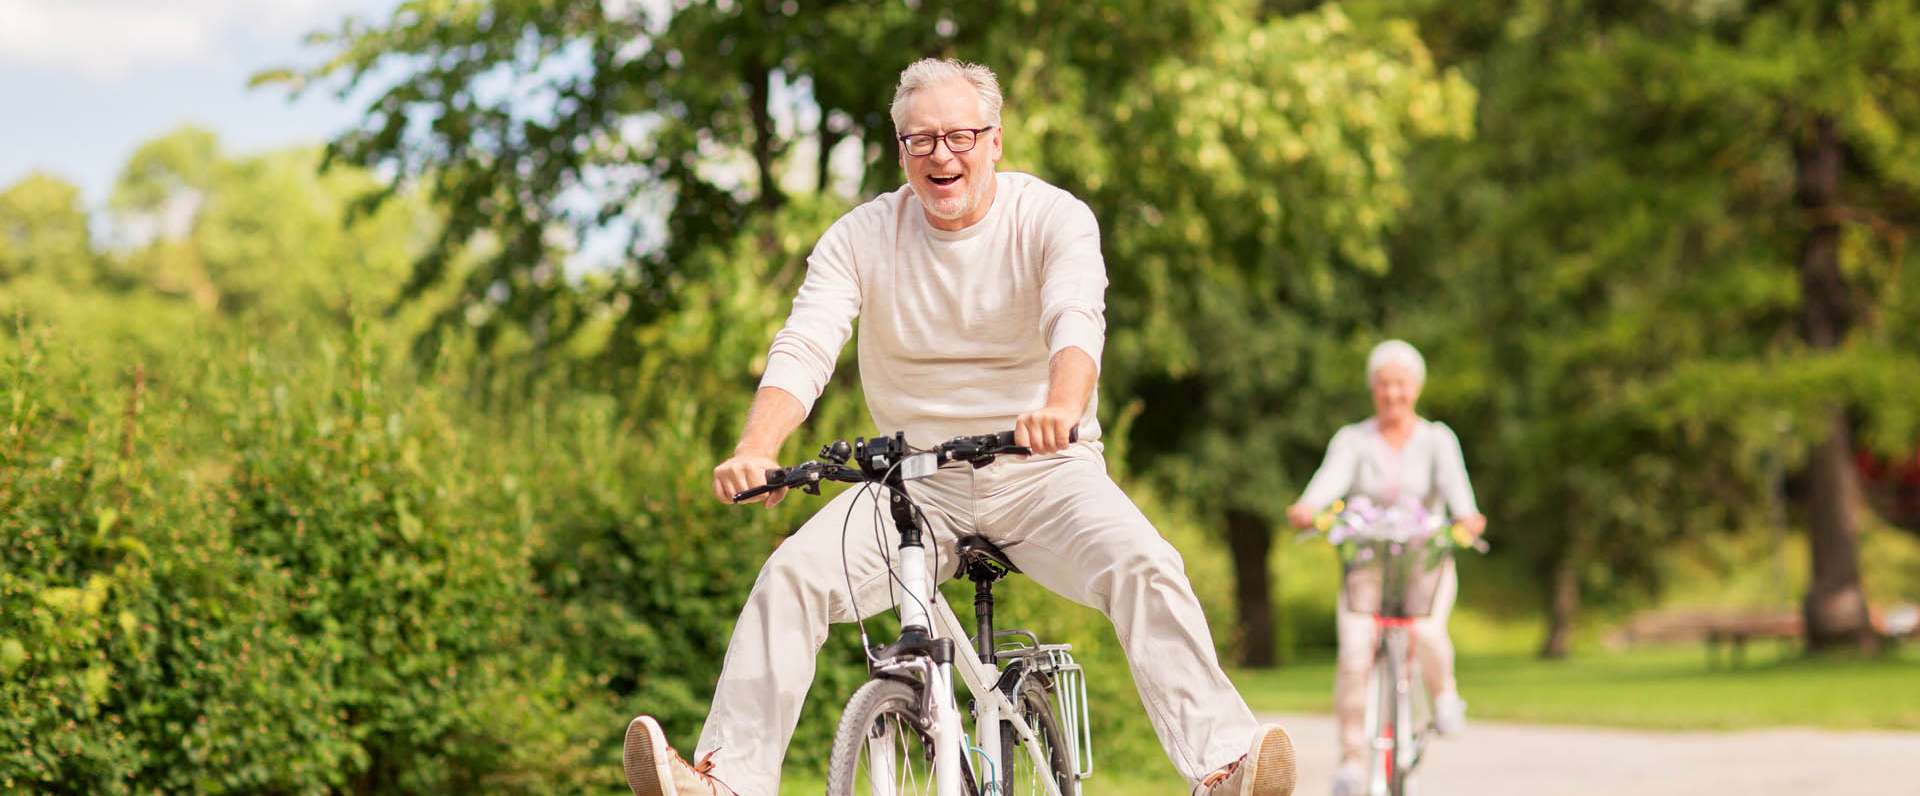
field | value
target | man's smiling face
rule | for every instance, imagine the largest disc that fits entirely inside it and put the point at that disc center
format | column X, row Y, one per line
column 955, row 189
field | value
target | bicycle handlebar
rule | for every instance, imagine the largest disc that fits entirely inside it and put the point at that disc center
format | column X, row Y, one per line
column 874, row 459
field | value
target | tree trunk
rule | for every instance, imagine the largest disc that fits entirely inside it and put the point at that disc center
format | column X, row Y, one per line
column 759, row 99
column 1250, row 539
column 823, row 168
column 1563, row 602
column 1836, row 607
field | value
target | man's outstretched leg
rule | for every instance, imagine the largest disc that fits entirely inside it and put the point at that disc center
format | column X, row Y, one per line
column 1081, row 537
column 770, row 658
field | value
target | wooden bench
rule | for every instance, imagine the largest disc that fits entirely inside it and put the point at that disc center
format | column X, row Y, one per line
column 1727, row 630
column 1732, row 629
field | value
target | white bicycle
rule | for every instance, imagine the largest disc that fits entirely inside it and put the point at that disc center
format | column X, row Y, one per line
column 902, row 732
column 1391, row 560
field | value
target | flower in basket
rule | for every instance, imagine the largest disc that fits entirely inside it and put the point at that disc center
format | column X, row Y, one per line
column 1460, row 535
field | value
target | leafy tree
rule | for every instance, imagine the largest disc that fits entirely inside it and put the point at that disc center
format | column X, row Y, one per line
column 1658, row 244
column 258, row 236
column 538, row 124
column 44, row 232
column 629, row 105
column 1247, row 261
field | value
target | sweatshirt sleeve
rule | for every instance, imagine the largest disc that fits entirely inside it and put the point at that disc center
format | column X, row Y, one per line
column 1450, row 474
column 1073, row 293
column 803, row 353
column 1334, row 479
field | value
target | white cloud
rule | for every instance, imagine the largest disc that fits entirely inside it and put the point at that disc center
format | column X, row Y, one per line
column 108, row 39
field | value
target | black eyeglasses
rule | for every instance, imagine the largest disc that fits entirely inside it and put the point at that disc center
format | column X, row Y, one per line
column 921, row 145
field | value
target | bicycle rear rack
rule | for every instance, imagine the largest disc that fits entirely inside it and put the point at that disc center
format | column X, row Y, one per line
column 1069, row 688
column 1070, row 683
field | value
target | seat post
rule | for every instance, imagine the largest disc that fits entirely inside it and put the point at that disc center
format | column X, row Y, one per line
column 983, row 618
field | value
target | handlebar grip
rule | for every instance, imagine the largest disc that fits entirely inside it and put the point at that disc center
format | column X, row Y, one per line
column 1005, row 438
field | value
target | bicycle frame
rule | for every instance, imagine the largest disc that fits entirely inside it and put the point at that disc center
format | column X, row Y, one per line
column 933, row 645
column 1383, row 575
column 1400, row 596
column 930, row 645
column 1400, row 743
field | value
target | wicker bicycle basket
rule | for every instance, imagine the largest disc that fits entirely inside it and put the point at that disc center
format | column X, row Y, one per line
column 1392, row 579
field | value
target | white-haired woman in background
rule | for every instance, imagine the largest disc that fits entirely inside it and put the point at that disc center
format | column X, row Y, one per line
column 1393, row 456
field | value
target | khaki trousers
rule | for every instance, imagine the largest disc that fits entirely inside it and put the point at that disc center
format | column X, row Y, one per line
column 1431, row 646
column 1062, row 521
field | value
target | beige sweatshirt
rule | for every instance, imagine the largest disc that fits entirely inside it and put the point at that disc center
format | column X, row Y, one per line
column 957, row 329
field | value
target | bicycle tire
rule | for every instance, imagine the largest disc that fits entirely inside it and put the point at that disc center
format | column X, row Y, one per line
column 1035, row 704
column 887, row 711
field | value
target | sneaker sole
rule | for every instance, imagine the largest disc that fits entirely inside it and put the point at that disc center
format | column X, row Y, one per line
column 1274, row 771
column 645, row 759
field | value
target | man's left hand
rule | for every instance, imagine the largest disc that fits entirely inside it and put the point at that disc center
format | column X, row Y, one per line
column 1045, row 430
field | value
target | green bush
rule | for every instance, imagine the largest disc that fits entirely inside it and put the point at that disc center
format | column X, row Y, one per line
column 277, row 575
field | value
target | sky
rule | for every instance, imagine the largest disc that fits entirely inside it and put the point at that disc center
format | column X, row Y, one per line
column 85, row 82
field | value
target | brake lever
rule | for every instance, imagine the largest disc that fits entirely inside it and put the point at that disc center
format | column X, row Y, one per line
column 742, row 497
column 784, row 478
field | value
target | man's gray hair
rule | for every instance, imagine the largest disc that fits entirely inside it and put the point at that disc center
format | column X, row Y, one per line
column 1397, row 352
column 933, row 71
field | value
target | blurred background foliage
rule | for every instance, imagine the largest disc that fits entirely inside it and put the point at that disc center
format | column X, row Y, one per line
column 382, row 467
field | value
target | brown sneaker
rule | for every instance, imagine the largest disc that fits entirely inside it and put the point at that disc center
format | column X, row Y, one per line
column 1266, row 770
column 654, row 769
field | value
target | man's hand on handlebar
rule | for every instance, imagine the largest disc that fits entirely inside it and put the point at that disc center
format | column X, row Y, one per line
column 1046, row 430
column 745, row 470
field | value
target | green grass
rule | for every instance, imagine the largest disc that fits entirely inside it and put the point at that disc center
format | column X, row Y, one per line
column 1668, row 689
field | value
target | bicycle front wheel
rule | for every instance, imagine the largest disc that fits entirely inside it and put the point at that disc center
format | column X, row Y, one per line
column 1021, row 775
column 880, row 749
column 1387, row 730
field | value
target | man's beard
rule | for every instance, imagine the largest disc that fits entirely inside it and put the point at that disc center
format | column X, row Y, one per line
column 953, row 208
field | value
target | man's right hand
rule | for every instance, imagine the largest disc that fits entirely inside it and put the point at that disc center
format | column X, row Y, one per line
column 745, row 471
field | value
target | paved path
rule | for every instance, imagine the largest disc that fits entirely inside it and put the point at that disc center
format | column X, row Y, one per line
column 1496, row 759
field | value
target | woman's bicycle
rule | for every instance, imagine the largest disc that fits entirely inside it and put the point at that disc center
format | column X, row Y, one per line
column 902, row 732
column 1392, row 560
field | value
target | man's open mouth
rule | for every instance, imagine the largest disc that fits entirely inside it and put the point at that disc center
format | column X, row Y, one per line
column 943, row 181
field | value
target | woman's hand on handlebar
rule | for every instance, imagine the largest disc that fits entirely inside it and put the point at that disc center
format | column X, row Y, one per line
column 745, row 470
column 1475, row 524
column 1045, row 430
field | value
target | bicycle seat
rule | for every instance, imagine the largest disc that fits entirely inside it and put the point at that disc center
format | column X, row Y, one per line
column 982, row 560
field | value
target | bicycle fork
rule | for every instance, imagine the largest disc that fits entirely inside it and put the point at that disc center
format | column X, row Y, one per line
column 914, row 595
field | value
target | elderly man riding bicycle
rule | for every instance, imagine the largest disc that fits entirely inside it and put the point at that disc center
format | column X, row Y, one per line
column 981, row 299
